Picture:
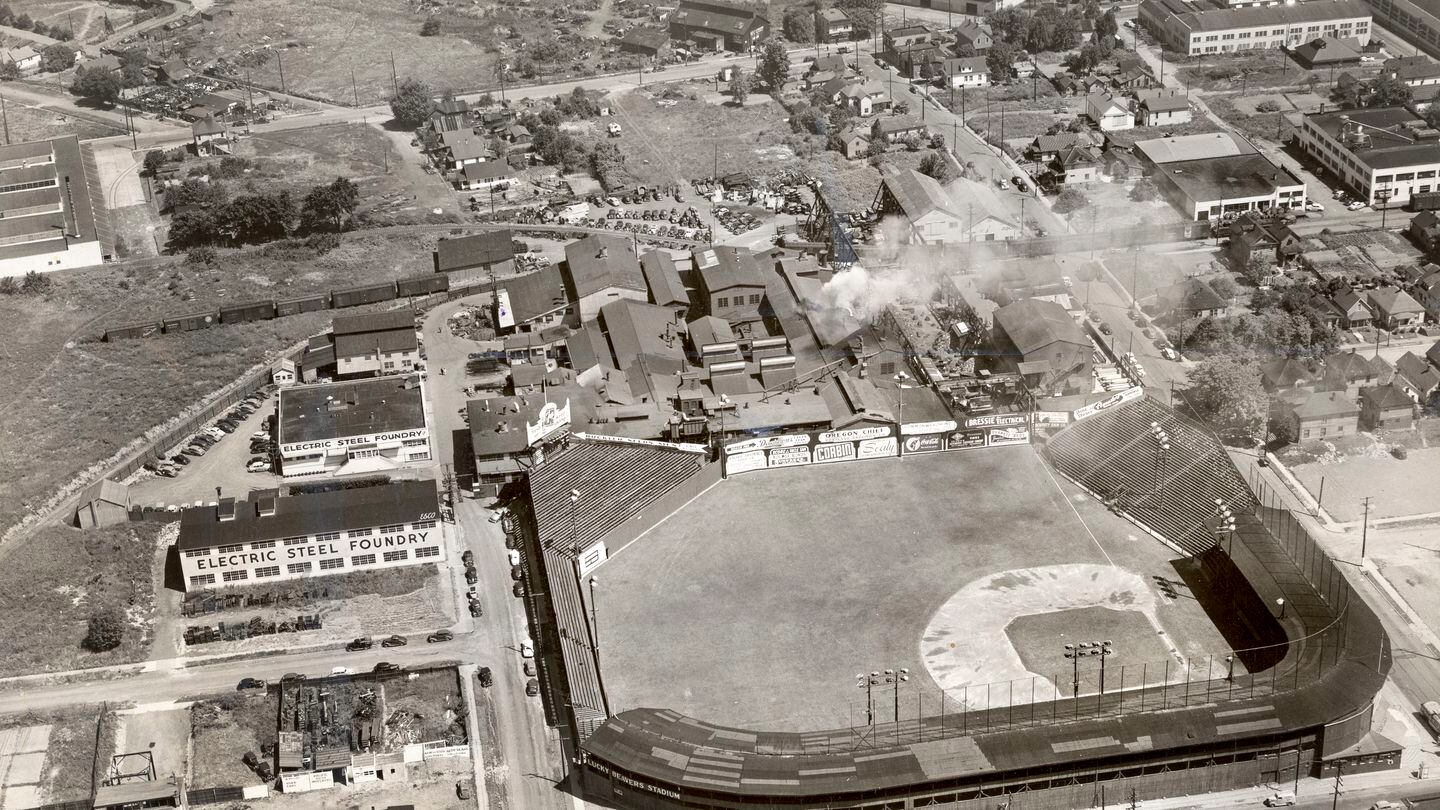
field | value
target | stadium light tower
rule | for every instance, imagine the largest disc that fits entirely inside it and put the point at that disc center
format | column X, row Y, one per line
column 900, row 401
column 889, row 677
column 1085, row 649
column 1224, row 525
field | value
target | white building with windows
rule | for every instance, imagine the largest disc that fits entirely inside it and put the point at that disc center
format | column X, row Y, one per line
column 1193, row 28
column 271, row 538
column 1384, row 154
column 354, row 428
column 47, row 214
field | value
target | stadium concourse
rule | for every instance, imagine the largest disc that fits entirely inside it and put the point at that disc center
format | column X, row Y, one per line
column 1298, row 700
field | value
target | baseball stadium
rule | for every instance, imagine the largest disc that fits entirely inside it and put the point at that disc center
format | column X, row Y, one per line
column 1102, row 615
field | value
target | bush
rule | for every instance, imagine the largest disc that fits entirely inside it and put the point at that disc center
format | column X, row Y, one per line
column 200, row 255
column 1268, row 106
column 36, row 283
column 322, row 242
column 1399, row 451
column 431, row 27
column 106, row 630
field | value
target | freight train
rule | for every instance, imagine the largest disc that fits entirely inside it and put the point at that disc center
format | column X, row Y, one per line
column 266, row 310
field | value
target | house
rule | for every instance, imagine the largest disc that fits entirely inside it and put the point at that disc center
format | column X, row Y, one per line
column 602, row 268
column 1109, row 113
column 1420, row 379
column 1254, row 235
column 173, row 71
column 1327, row 52
column 919, row 60
column 833, row 25
column 1287, row 374
column 25, row 58
column 1425, row 229
column 898, row 128
column 1387, row 407
column 209, row 137
column 103, row 503
column 1351, row 371
column 451, row 114
column 461, row 147
column 1075, row 165
column 648, row 42
column 106, row 63
column 1427, row 291
column 481, row 255
column 1131, row 79
column 1191, row 298
column 1022, row 69
column 285, row 373
column 731, row 284
column 1395, row 310
column 1046, row 148
column 1164, row 110
column 718, row 26
column 1318, row 414
column 905, row 36
column 853, row 143
column 1041, row 341
column 863, row 98
column 974, row 34
column 833, row 63
column 1415, row 71
column 487, row 176
column 1354, row 311
column 965, row 72
column 935, row 215
column 533, row 302
column 374, row 344
column 1067, row 84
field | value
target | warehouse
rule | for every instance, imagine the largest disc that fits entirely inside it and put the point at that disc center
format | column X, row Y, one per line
column 272, row 537
column 352, row 428
column 47, row 217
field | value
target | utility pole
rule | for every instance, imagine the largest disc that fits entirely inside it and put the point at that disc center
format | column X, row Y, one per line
column 1335, row 798
column 395, row 79
column 355, row 91
column 5, row 116
column 281, row 63
column 1365, row 530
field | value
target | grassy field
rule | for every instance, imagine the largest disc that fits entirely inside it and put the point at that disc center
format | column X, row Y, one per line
column 49, row 587
column 1397, row 487
column 1257, row 69
column 433, row 697
column 1039, row 639
column 852, row 184
column 31, row 123
column 677, row 144
column 86, row 16
column 858, row 586
column 82, row 400
column 71, row 756
column 223, row 729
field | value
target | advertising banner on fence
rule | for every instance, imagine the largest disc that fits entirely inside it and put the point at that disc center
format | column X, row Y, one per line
column 1118, row 398
column 991, row 430
column 821, row 447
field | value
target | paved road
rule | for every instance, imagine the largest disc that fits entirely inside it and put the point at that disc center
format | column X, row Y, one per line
column 39, row 39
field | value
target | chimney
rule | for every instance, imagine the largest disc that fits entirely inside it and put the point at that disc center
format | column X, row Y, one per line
column 225, row 510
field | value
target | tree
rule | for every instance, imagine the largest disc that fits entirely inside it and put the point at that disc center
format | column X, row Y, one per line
column 431, row 27
column 9, row 71
column 1106, row 29
column 1226, row 391
column 1257, row 269
column 739, row 87
column 902, row 108
column 36, row 283
column 1224, row 286
column 937, row 141
column 132, row 67
column 413, row 104
column 1144, row 191
column 329, row 207
column 999, row 59
column 105, row 631
column 964, row 50
column 257, row 217
column 1008, row 24
column 1388, row 92
column 154, row 161
column 96, row 85
column 1070, row 201
column 57, row 57
column 774, row 65
column 202, row 255
column 877, row 146
column 799, row 23
column 1269, row 105
column 864, row 15
column 193, row 229
column 937, row 166
column 1084, row 60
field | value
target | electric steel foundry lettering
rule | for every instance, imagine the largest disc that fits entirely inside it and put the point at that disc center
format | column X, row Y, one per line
column 308, row 552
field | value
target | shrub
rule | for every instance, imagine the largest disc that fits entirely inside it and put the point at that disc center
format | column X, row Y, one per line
column 200, row 255
column 1268, row 106
column 106, row 630
column 1399, row 451
column 8, row 286
column 322, row 242
column 431, row 27
column 36, row 283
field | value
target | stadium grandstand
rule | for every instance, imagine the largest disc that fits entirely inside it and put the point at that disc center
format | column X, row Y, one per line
column 1294, row 697
column 583, row 500
column 1147, row 461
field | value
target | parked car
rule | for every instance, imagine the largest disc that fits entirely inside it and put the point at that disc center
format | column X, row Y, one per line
column 514, row 556
column 395, row 641
column 496, row 516
column 291, row 677
column 527, row 648
column 258, row 466
column 180, row 458
column 1105, row 328
column 471, row 577
column 1169, row 353
column 468, row 557
column 1314, row 206
column 1432, row 714
column 529, row 668
column 462, row 789
column 475, row 610
column 340, row 671
column 250, row 683
column 360, row 644
column 532, row 686
column 1000, row 181
column 483, row 675
column 1019, row 184
column 517, row 573
column 386, row 666
column 519, row 589
column 1355, row 206
column 439, row 635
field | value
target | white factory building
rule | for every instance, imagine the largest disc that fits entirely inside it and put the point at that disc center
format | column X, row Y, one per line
column 354, row 428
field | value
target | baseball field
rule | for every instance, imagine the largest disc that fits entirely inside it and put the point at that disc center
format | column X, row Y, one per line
column 757, row 604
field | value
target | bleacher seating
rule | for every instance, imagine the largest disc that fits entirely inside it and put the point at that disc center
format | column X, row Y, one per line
column 1114, row 455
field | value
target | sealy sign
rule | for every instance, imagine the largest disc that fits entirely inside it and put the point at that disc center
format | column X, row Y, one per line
column 552, row 417
column 309, row 551
column 391, row 439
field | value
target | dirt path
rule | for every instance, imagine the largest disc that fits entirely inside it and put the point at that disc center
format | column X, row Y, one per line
column 431, row 190
column 596, row 26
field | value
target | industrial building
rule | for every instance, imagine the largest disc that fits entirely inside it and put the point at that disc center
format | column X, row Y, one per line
column 1205, row 27
column 1385, row 154
column 271, row 537
column 1213, row 175
column 353, row 428
column 718, row 26
column 47, row 216
column 374, row 344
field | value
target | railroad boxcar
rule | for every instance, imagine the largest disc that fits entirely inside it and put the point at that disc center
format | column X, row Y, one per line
column 307, row 303
column 247, row 312
column 191, row 322
column 422, row 285
column 367, row 294
column 134, row 330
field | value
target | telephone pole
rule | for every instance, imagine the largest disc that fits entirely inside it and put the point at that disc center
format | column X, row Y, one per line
column 354, row 90
column 281, row 64
column 1365, row 530
column 395, row 79
column 5, row 116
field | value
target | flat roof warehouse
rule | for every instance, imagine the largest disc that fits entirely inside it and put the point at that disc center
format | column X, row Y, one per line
column 341, row 410
column 300, row 515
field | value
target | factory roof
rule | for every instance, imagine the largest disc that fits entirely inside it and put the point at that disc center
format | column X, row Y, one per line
column 295, row 515
column 359, row 408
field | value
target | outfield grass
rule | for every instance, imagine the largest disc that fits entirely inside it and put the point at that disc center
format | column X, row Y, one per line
column 755, row 605
column 76, row 401
column 50, row 585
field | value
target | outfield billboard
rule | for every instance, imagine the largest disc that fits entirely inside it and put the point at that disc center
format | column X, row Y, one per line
column 816, row 447
column 991, row 430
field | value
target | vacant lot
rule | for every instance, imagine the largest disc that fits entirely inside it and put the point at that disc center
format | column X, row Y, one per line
column 87, row 18
column 34, row 123
column 1258, row 69
column 669, row 145
column 71, row 755
column 50, row 585
column 225, row 728
column 801, row 594
column 1397, row 487
column 424, row 706
column 83, row 400
column 852, row 185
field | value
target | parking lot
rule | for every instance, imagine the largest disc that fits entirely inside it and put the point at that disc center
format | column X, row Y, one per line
column 220, row 472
